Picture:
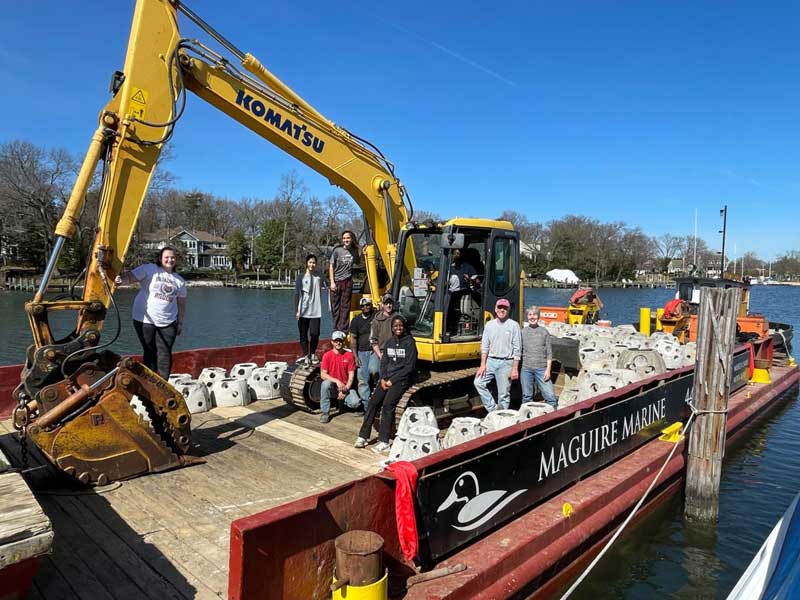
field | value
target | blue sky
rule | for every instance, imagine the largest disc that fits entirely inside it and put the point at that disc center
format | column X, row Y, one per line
column 633, row 111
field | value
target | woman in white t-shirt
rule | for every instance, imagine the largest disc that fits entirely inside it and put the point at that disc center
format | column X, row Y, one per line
column 158, row 309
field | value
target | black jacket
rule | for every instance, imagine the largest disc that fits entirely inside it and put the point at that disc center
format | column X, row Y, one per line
column 399, row 360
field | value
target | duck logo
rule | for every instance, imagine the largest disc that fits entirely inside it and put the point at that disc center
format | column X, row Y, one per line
column 478, row 507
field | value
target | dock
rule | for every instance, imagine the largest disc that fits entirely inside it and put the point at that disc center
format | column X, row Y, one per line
column 167, row 535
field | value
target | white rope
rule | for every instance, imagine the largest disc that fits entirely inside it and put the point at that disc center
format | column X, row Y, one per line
column 597, row 558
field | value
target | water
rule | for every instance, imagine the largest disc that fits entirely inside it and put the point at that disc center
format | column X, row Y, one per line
column 662, row 555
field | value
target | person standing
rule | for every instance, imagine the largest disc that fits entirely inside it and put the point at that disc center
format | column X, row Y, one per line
column 159, row 308
column 537, row 359
column 381, row 329
column 367, row 362
column 337, row 373
column 340, row 274
column 398, row 364
column 500, row 353
column 308, row 310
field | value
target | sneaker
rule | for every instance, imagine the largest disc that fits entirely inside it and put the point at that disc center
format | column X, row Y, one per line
column 360, row 443
column 381, row 447
column 301, row 361
column 325, row 418
column 315, row 360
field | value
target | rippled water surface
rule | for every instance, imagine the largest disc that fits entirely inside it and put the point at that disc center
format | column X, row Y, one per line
column 661, row 555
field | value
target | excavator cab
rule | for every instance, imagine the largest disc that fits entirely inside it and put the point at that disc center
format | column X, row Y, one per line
column 447, row 280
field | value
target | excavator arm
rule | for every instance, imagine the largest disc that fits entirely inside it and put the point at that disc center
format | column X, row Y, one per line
column 78, row 404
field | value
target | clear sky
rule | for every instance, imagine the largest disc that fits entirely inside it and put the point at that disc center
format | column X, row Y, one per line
column 640, row 111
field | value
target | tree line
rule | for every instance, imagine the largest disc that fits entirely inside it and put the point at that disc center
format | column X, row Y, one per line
column 268, row 233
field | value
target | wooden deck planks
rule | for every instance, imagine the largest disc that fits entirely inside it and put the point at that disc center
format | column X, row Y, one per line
column 166, row 535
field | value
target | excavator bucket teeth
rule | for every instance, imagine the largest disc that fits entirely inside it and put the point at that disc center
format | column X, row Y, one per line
column 110, row 441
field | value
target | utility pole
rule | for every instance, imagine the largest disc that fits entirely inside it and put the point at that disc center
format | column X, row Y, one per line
column 716, row 338
column 724, row 214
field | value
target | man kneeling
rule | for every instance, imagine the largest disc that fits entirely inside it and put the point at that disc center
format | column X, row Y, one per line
column 337, row 373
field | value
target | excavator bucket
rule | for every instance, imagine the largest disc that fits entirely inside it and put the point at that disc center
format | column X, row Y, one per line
column 136, row 424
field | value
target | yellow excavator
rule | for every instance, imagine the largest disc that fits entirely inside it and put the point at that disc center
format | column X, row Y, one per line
column 101, row 418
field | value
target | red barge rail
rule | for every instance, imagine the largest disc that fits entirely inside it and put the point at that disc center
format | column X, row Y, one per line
column 287, row 552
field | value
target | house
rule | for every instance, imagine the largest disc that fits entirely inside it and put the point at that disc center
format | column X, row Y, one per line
column 202, row 250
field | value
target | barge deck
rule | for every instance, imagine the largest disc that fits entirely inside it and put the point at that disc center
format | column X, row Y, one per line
column 277, row 485
column 166, row 535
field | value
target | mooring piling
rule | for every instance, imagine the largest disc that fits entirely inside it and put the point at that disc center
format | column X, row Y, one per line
column 716, row 338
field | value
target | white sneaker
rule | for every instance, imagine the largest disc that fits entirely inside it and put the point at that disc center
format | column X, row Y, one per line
column 381, row 447
column 360, row 443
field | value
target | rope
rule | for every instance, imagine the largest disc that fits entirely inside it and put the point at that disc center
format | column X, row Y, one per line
column 624, row 524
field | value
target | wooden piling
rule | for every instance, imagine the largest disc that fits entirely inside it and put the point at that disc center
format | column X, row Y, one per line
column 716, row 339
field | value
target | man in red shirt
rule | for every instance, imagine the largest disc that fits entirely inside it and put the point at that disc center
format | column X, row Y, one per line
column 337, row 373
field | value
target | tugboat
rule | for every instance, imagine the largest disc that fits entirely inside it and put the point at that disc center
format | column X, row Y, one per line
column 680, row 314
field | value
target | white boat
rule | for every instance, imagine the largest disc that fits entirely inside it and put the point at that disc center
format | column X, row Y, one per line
column 775, row 570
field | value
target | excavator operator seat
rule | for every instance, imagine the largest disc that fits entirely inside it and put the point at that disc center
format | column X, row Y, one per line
column 470, row 310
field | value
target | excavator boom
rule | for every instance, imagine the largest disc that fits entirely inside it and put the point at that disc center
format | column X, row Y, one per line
column 100, row 418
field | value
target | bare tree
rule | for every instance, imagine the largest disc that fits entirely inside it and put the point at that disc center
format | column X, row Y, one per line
column 668, row 246
column 37, row 183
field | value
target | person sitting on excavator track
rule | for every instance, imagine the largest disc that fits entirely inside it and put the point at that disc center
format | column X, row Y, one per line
column 398, row 364
column 337, row 373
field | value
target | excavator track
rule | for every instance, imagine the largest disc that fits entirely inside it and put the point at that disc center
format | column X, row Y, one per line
column 448, row 392
column 300, row 387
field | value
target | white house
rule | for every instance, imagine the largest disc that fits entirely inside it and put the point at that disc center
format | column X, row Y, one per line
column 203, row 250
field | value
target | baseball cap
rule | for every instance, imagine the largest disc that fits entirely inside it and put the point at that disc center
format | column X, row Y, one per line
column 387, row 298
column 365, row 302
column 337, row 335
column 503, row 302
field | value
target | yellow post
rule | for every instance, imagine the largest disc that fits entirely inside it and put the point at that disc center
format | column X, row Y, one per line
column 644, row 321
column 659, row 315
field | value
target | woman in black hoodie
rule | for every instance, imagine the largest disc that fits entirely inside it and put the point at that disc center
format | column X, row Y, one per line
column 398, row 364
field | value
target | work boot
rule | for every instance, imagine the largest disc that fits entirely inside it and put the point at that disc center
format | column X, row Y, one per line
column 325, row 418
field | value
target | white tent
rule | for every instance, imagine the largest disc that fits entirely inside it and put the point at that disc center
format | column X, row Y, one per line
column 563, row 276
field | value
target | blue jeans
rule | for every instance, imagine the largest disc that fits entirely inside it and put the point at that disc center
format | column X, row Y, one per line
column 367, row 374
column 500, row 371
column 528, row 377
column 330, row 391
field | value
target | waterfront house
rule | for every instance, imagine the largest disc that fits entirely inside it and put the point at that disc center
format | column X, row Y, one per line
column 202, row 250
